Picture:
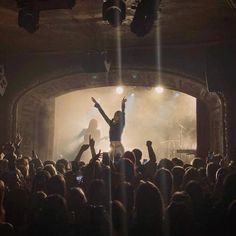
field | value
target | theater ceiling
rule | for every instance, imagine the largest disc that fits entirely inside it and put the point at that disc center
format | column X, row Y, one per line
column 180, row 22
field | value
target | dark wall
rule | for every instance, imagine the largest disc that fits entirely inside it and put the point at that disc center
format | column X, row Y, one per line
column 203, row 124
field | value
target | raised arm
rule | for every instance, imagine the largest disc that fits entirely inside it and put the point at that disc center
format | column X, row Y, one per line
column 123, row 109
column 17, row 143
column 92, row 146
column 97, row 105
column 151, row 153
column 83, row 148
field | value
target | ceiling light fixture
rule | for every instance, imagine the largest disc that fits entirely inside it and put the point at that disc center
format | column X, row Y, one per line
column 144, row 17
column 114, row 11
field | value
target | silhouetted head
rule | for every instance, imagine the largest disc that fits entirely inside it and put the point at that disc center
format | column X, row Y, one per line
column 117, row 116
column 119, row 218
column 56, row 185
column 138, row 154
column 198, row 163
column 190, row 174
column 165, row 163
column 148, row 209
column 178, row 174
column 163, row 179
column 93, row 124
column 202, row 174
column 126, row 168
column 40, row 181
column 94, row 220
column 125, row 194
column 182, row 197
column 130, row 155
column 229, row 186
column 211, row 170
column 38, row 164
column 35, row 205
column 49, row 162
column 76, row 199
column 179, row 223
column 177, row 162
column 53, row 215
column 195, row 191
column 221, row 173
column 50, row 169
column 8, row 148
column 65, row 163
column 97, row 192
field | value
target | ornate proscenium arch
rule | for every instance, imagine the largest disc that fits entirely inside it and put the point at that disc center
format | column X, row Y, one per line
column 33, row 111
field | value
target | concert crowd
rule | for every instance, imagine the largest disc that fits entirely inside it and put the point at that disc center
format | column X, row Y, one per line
column 120, row 196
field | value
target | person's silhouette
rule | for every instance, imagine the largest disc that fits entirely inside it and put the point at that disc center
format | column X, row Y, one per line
column 92, row 130
column 116, row 124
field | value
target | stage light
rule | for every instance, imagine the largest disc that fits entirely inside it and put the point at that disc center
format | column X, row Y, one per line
column 144, row 17
column 114, row 11
column 28, row 19
column 119, row 90
column 177, row 95
column 28, row 16
column 159, row 89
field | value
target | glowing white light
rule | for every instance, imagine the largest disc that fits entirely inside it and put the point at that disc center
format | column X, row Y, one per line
column 177, row 94
column 132, row 94
column 159, row 89
column 119, row 90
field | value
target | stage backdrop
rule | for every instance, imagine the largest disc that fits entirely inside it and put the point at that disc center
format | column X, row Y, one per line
column 168, row 119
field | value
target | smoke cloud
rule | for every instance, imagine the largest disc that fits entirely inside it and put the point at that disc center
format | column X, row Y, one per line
column 167, row 119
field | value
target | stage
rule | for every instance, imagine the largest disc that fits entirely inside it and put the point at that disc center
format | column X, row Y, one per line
column 166, row 117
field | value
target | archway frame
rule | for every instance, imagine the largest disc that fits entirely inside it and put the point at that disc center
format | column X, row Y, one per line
column 38, row 100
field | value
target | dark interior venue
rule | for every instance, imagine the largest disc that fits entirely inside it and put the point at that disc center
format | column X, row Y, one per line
column 117, row 117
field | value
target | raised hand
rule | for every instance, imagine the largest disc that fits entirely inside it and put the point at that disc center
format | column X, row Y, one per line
column 84, row 147
column 18, row 139
column 151, row 153
column 149, row 143
column 94, row 100
column 96, row 104
column 124, row 100
column 34, row 155
column 98, row 155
